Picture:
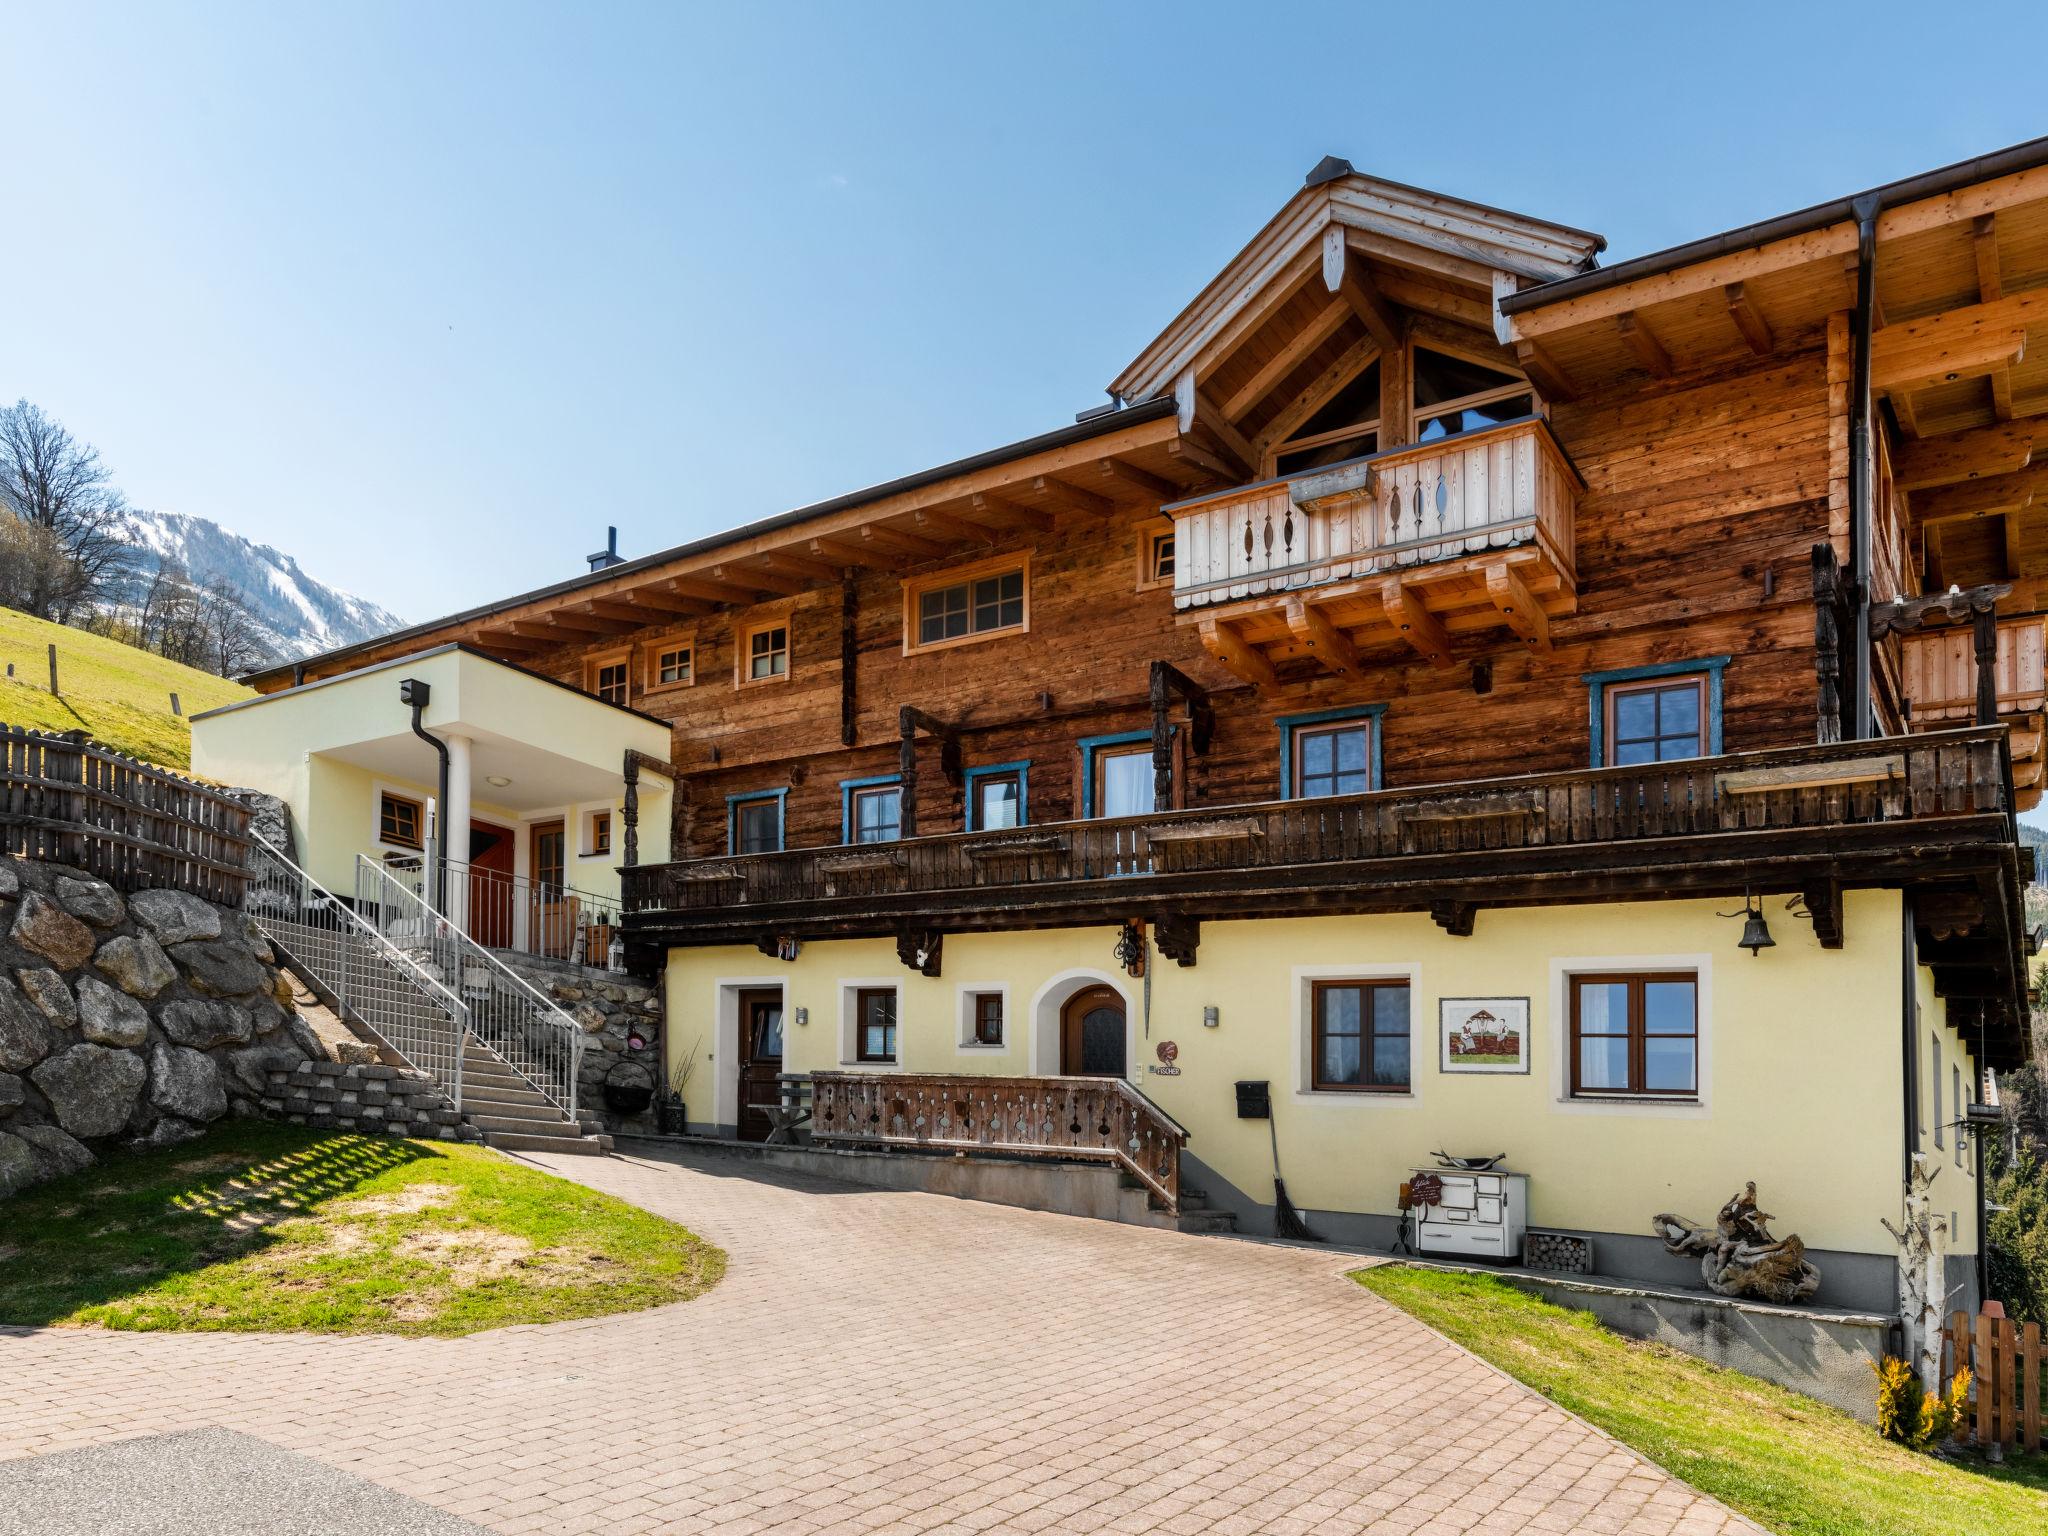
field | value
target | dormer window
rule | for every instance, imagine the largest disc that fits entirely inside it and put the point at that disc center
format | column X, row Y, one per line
column 1347, row 426
column 1454, row 394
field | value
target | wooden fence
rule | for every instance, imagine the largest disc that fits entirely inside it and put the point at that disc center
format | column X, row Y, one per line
column 68, row 800
column 2008, row 1362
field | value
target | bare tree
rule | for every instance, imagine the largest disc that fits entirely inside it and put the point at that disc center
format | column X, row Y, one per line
column 234, row 644
column 50, row 480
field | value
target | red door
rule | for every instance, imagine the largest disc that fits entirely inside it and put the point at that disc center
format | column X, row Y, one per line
column 490, row 885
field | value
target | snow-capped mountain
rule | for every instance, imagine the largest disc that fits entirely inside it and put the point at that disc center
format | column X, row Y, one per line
column 297, row 614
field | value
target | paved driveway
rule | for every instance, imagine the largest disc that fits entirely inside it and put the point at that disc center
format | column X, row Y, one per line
column 895, row 1362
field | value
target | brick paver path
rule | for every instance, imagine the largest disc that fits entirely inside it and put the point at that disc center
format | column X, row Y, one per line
column 894, row 1362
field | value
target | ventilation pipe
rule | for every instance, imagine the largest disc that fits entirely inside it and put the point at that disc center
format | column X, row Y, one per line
column 609, row 556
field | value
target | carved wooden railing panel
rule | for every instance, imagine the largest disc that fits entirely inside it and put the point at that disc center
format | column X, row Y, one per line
column 1939, row 671
column 1897, row 778
column 1101, row 1118
column 1492, row 489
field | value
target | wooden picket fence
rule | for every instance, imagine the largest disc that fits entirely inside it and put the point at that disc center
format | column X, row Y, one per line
column 69, row 800
column 2008, row 1361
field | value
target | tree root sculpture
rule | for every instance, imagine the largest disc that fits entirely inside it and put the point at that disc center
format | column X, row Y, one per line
column 1738, row 1256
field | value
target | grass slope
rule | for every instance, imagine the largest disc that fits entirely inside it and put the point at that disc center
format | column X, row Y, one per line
column 1791, row 1464
column 119, row 694
column 278, row 1228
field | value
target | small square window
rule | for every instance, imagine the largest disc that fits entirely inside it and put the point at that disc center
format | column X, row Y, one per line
column 399, row 822
column 1332, row 760
column 1159, row 558
column 764, row 653
column 1656, row 722
column 1361, row 1042
column 675, row 667
column 600, row 832
column 608, row 680
column 877, row 814
column 757, row 825
column 874, row 1024
column 996, row 802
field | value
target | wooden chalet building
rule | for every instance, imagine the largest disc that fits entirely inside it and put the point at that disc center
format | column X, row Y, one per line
column 1437, row 623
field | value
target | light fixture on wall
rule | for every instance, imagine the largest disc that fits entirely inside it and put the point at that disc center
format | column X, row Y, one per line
column 803, row 1016
column 1211, row 1017
column 1756, row 933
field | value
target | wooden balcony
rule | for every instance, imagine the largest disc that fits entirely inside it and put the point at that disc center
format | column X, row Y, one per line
column 1410, row 548
column 1929, row 813
column 1938, row 676
column 1101, row 1118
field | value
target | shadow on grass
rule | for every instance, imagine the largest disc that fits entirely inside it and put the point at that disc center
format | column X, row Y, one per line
column 136, row 1221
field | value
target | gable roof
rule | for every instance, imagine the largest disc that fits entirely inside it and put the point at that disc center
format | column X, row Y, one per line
column 1450, row 237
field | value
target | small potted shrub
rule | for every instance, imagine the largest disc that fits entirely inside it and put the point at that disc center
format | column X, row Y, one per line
column 670, row 1115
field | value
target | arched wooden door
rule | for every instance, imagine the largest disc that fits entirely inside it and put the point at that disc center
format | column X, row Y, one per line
column 1092, row 1034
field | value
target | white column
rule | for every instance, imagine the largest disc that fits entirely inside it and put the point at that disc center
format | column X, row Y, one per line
column 455, row 830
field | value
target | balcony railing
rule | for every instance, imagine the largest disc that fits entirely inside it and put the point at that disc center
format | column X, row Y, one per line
column 1466, row 496
column 1938, row 671
column 1268, row 855
column 542, row 918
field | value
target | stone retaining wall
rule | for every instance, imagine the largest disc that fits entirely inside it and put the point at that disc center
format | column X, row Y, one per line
column 394, row 1101
column 128, row 1021
column 609, row 1005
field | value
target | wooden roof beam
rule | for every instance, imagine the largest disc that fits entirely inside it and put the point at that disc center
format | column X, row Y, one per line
column 944, row 525
column 606, row 608
column 2012, row 546
column 901, row 543
column 1986, row 496
column 716, row 588
column 1310, row 399
column 1544, row 371
column 843, row 552
column 800, row 565
column 1524, row 615
column 1235, row 654
column 1990, row 286
column 2001, row 450
column 1323, row 640
column 504, row 639
column 780, row 583
column 586, row 623
column 1073, row 496
column 1643, row 342
column 653, row 602
column 1423, row 630
column 1287, row 359
column 1202, row 462
column 1350, row 281
column 1116, row 476
column 1749, row 320
column 1956, row 343
column 1200, row 416
column 1013, row 513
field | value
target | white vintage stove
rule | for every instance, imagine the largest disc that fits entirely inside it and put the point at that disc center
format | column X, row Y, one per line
column 1481, row 1215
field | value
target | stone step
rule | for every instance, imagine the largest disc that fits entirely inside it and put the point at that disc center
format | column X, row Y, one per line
column 516, row 1116
column 474, row 1092
column 519, row 1141
column 524, row 1125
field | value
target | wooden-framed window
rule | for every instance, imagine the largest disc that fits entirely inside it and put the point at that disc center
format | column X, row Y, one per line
column 963, row 605
column 671, row 663
column 1657, row 720
column 607, row 677
column 874, row 1024
column 996, row 797
column 1122, row 781
column 1155, row 555
column 1456, row 394
column 1332, row 759
column 762, row 655
column 1362, row 1037
column 598, row 837
column 401, row 821
column 986, row 1017
column 1346, row 426
column 754, row 822
column 1635, row 1034
column 875, row 814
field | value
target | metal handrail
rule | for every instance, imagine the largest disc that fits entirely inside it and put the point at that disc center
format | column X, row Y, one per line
column 516, row 909
column 417, row 1017
column 535, row 1038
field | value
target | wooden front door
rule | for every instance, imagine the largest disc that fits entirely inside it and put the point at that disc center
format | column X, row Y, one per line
column 1092, row 1034
column 551, row 910
column 760, row 1059
column 490, row 885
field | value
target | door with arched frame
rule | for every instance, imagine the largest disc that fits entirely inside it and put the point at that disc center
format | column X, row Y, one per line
column 1092, row 1034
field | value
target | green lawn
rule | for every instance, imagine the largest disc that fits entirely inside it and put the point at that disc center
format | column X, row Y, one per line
column 277, row 1228
column 1786, row 1461
column 119, row 694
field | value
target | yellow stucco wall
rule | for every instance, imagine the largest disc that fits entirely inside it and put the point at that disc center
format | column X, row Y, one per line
column 1800, row 1061
column 1945, row 1069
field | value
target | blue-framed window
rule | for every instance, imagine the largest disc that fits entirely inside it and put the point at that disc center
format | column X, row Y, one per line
column 753, row 821
column 871, row 810
column 998, row 796
column 1656, row 714
column 1116, row 774
column 1330, row 752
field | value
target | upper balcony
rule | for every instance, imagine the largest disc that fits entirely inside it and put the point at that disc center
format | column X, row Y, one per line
column 1411, row 547
column 1938, row 676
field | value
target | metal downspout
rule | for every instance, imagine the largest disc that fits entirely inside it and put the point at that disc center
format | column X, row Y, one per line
column 1866, row 209
column 415, row 694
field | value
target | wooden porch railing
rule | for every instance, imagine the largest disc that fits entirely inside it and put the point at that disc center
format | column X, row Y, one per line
column 1896, row 778
column 71, row 801
column 1066, row 1117
column 2008, row 1361
column 1939, row 668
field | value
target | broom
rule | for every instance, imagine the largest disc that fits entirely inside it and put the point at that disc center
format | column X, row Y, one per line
column 1287, row 1220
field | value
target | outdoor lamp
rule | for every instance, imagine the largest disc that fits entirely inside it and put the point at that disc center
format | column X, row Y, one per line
column 1211, row 1017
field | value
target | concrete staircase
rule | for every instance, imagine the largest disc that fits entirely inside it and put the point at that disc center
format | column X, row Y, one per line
column 1139, row 1208
column 514, row 1116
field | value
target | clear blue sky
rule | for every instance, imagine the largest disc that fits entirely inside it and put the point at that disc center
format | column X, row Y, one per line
column 428, row 294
